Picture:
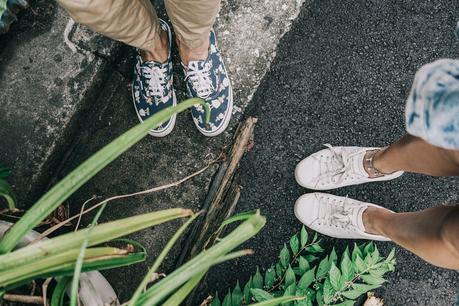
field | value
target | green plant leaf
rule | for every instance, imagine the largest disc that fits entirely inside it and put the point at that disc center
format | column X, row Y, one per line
column 368, row 248
column 227, row 299
column 180, row 295
column 57, row 298
column 290, row 291
column 314, row 248
column 333, row 257
column 278, row 301
column 4, row 173
column 356, row 252
column 324, row 267
column 347, row 269
column 236, row 297
column 294, row 244
column 216, row 300
column 290, row 277
column 257, row 280
column 270, row 276
column 320, row 297
column 391, row 255
column 160, row 259
column 315, row 238
column 103, row 233
column 372, row 280
column 284, row 257
column 203, row 261
column 303, row 264
column 73, row 181
column 7, row 193
column 335, row 277
column 359, row 264
column 260, row 295
column 346, row 303
column 307, row 279
column 311, row 258
column 239, row 217
column 247, row 294
column 352, row 294
column 303, row 236
column 80, row 259
column 364, row 288
column 328, row 291
column 279, row 270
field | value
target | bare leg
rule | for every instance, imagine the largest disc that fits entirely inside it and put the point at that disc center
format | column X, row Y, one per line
column 432, row 234
column 192, row 21
column 413, row 154
column 159, row 51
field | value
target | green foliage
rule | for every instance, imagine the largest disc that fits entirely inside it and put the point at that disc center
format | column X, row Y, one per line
column 82, row 251
column 333, row 280
column 5, row 189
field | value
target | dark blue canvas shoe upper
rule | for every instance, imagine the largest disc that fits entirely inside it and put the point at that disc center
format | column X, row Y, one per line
column 208, row 79
column 152, row 89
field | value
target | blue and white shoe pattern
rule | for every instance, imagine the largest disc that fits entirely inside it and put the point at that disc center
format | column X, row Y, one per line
column 153, row 90
column 208, row 79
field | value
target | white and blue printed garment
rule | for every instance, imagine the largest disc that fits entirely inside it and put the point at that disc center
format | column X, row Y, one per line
column 208, row 79
column 432, row 109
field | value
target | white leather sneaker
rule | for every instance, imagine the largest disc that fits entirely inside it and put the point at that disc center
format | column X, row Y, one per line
column 338, row 217
column 336, row 167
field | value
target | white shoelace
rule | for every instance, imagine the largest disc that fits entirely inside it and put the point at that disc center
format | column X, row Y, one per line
column 341, row 168
column 337, row 213
column 200, row 78
column 156, row 77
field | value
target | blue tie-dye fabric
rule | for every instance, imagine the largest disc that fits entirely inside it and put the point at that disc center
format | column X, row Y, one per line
column 432, row 109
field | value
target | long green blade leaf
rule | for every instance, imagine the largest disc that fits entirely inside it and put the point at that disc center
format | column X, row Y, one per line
column 60, row 192
column 160, row 259
column 67, row 269
column 57, row 299
column 204, row 260
column 103, row 233
column 7, row 193
column 79, row 263
column 180, row 295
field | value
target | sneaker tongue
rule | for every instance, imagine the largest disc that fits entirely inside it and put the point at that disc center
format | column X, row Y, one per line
column 196, row 65
column 153, row 64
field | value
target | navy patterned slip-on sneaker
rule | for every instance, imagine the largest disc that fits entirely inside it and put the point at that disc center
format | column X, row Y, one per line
column 153, row 90
column 209, row 80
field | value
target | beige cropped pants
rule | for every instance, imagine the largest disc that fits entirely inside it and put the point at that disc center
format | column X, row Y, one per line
column 135, row 22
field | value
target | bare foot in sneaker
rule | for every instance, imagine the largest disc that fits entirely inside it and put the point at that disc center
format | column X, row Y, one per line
column 338, row 217
column 337, row 167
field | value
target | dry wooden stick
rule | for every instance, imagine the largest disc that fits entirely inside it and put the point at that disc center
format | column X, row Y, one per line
column 26, row 299
column 155, row 189
column 214, row 203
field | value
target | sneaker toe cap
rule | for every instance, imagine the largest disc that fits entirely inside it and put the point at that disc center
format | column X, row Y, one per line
column 306, row 208
column 306, row 172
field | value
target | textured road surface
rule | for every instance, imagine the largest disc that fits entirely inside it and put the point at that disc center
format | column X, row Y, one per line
column 341, row 76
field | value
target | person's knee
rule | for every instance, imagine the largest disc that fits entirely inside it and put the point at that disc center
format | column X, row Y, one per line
column 450, row 233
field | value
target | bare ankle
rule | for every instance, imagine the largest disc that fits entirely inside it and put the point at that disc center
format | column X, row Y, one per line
column 159, row 52
column 375, row 163
column 373, row 219
column 193, row 54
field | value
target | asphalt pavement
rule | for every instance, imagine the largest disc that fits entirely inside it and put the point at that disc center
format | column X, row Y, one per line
column 341, row 76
